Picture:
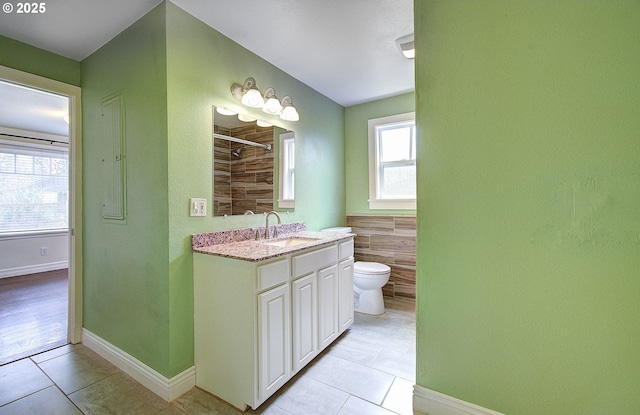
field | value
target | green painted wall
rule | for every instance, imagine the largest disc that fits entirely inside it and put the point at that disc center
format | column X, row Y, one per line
column 357, row 149
column 201, row 66
column 528, row 118
column 172, row 69
column 126, row 288
column 26, row 58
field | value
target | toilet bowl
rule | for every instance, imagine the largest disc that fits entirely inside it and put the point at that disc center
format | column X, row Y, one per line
column 368, row 280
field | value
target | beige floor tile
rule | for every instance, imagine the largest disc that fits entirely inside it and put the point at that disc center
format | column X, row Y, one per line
column 58, row 351
column 77, row 369
column 49, row 401
column 199, row 402
column 116, row 395
column 19, row 379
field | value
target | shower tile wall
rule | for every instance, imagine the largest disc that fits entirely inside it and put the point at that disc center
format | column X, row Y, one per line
column 390, row 240
column 244, row 183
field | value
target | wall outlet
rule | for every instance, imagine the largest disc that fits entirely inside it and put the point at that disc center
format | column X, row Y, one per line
column 44, row 251
column 197, row 207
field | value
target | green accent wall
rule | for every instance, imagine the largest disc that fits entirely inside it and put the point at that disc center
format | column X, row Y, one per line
column 27, row 58
column 357, row 149
column 528, row 116
column 126, row 292
column 171, row 69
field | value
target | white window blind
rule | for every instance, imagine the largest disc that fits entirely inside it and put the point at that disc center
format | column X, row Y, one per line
column 34, row 187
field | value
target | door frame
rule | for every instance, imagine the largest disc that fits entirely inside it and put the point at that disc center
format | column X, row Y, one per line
column 73, row 93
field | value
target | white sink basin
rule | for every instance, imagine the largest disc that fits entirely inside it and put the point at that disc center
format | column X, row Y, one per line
column 293, row 241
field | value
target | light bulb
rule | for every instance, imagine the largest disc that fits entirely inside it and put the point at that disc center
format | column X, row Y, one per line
column 252, row 98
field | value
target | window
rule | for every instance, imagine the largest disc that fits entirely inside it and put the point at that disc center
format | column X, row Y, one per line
column 392, row 162
column 34, row 187
column 287, row 170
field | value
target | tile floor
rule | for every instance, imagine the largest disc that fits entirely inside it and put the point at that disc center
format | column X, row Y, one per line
column 369, row 370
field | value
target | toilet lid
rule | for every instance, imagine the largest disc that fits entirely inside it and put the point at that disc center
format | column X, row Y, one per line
column 371, row 268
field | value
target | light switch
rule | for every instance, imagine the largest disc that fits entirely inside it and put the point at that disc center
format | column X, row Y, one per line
column 198, row 207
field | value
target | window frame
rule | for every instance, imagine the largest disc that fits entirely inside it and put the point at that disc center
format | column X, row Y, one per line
column 375, row 166
column 286, row 172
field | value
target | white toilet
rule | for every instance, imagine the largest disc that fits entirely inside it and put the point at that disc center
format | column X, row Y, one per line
column 368, row 280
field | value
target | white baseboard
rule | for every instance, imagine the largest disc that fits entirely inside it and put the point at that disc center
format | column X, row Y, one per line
column 167, row 389
column 431, row 402
column 33, row 269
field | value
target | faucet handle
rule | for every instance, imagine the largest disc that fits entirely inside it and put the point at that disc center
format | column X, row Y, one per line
column 275, row 231
column 258, row 234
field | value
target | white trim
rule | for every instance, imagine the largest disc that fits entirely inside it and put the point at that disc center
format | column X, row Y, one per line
column 33, row 269
column 374, row 201
column 282, row 202
column 74, row 93
column 430, row 402
column 405, row 204
column 167, row 389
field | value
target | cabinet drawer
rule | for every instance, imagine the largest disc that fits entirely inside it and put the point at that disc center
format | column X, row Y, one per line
column 313, row 261
column 346, row 249
column 272, row 274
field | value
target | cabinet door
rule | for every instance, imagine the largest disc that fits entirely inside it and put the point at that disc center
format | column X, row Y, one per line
column 345, row 294
column 305, row 320
column 274, row 340
column 328, row 305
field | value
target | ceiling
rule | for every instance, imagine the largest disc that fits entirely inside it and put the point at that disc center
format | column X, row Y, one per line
column 344, row 49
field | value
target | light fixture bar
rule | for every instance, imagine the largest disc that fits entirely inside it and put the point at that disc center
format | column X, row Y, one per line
column 241, row 141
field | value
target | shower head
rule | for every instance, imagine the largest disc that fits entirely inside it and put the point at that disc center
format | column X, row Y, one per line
column 236, row 153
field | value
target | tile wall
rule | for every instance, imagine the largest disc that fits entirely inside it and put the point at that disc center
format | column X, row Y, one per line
column 390, row 240
column 244, row 183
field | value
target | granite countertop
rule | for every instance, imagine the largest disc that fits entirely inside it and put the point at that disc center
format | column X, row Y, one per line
column 252, row 250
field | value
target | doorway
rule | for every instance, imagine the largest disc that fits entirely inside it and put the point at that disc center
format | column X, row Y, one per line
column 67, row 277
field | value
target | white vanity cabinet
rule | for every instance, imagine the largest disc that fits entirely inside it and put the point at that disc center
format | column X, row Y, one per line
column 258, row 323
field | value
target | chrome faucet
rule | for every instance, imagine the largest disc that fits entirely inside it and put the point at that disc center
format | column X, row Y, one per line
column 266, row 227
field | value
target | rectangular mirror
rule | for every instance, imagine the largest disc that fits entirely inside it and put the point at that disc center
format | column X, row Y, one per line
column 253, row 165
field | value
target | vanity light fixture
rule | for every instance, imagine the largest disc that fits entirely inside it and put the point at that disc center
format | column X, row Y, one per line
column 248, row 93
column 271, row 104
column 261, row 123
column 289, row 112
column 250, row 96
column 407, row 46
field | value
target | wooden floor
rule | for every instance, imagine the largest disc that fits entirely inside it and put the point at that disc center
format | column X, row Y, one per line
column 33, row 314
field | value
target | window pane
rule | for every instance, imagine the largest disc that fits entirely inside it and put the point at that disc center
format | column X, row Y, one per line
column 397, row 143
column 399, row 182
column 34, row 194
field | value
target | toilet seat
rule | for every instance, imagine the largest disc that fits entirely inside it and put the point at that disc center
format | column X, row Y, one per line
column 370, row 268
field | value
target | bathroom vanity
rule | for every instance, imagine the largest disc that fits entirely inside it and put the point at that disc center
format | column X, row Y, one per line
column 264, row 309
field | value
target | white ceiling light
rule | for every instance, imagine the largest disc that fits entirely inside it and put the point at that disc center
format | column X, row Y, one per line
column 407, row 46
